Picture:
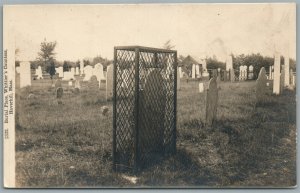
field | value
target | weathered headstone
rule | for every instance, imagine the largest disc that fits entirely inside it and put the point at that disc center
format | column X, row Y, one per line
column 261, row 86
column 81, row 68
column 98, row 72
column 73, row 71
column 59, row 92
column 57, row 83
column 25, row 74
column 282, row 78
column 197, row 71
column 286, row 71
column 68, row 76
column 77, row 71
column 39, row 73
column 77, row 84
column 60, row 72
column 250, row 75
column 211, row 102
column 70, row 83
column 109, row 83
column 88, row 73
column 214, row 73
column 193, row 71
column 201, row 87
column 229, row 63
column 93, row 83
column 180, row 72
column 232, row 75
column 276, row 79
column 152, row 117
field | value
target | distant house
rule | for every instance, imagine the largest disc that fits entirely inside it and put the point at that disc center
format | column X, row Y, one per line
column 187, row 63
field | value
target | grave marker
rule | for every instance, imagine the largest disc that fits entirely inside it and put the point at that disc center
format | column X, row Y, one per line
column 39, row 73
column 286, row 71
column 109, row 83
column 88, row 73
column 211, row 102
column 201, row 87
column 193, row 71
column 261, row 86
column 276, row 78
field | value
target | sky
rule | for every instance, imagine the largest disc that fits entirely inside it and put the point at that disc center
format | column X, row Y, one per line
column 200, row 30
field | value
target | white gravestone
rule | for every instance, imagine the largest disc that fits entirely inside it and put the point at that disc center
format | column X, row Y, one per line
column 81, row 68
column 60, row 71
column 180, row 72
column 197, row 71
column 38, row 72
column 109, row 82
column 70, row 83
column 250, row 76
column 88, row 73
column 204, row 67
column 25, row 74
column 276, row 80
column 193, row 70
column 68, row 76
column 98, row 72
column 286, row 71
column 77, row 71
column 201, row 87
column 229, row 63
column 73, row 71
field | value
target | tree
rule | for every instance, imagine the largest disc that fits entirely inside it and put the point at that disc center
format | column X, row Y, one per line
column 66, row 66
column 46, row 55
column 52, row 70
column 167, row 45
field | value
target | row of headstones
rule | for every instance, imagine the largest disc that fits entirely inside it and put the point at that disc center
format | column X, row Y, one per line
column 244, row 73
column 196, row 71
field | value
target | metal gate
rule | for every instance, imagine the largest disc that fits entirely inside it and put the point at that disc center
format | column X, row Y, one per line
column 144, row 107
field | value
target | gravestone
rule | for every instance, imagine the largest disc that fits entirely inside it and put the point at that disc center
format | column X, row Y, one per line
column 232, row 75
column 197, row 71
column 25, row 74
column 211, row 102
column 81, row 68
column 286, row 71
column 60, row 72
column 77, row 84
column 276, row 78
column 229, row 63
column 261, row 86
column 109, row 83
column 180, row 72
column 193, row 71
column 77, row 71
column 282, row 78
column 59, row 92
column 178, row 79
column 152, row 117
column 93, row 83
column 73, row 71
column 250, row 75
column 214, row 73
column 201, row 87
column 88, row 73
column 70, row 83
column 57, row 83
column 68, row 76
column 98, row 72
column 39, row 73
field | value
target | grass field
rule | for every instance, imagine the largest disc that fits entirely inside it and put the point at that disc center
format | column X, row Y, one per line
column 69, row 145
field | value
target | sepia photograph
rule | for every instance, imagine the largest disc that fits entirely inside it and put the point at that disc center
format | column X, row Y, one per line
column 189, row 95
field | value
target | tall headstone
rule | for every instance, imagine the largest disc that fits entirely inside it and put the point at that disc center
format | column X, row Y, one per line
column 286, row 71
column 77, row 71
column 205, row 74
column 270, row 72
column 81, row 68
column 39, row 73
column 73, row 71
column 180, row 72
column 197, row 70
column 261, row 86
column 60, row 72
column 193, row 71
column 211, row 102
column 229, row 63
column 98, row 72
column 232, row 75
column 201, row 87
column 250, row 75
column 88, row 73
column 178, row 78
column 109, row 82
column 25, row 74
column 276, row 79
column 282, row 78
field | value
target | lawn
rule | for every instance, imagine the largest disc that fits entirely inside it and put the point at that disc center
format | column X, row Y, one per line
column 70, row 145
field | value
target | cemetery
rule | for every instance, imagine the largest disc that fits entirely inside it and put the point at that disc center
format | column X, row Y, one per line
column 148, row 119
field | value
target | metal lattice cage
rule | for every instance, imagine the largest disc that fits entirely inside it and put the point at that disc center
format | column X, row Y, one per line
column 144, row 108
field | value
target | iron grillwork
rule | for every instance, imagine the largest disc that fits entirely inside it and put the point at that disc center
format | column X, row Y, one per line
column 144, row 108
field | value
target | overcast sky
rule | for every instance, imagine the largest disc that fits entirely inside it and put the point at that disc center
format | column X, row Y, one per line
column 85, row 31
